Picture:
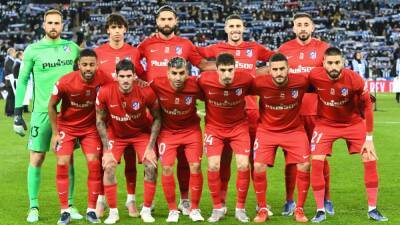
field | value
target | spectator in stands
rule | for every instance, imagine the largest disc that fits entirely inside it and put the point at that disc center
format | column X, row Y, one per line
column 360, row 65
column 8, row 66
column 396, row 74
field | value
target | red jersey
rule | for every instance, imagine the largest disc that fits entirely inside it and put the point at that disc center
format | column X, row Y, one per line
column 246, row 56
column 127, row 112
column 78, row 101
column 225, row 106
column 178, row 108
column 302, row 59
column 158, row 52
column 337, row 99
column 280, row 106
column 109, row 57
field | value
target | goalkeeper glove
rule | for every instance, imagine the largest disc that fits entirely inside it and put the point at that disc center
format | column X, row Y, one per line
column 19, row 123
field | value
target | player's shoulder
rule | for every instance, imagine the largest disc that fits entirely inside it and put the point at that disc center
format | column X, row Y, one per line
column 288, row 44
column 319, row 44
column 298, row 79
column 191, row 83
column 159, row 81
column 262, row 79
column 316, row 71
column 244, row 76
column 101, row 47
column 68, row 78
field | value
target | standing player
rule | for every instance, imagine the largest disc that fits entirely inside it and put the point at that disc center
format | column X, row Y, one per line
column 225, row 92
column 76, row 121
column 177, row 95
column 47, row 60
column 109, row 54
column 246, row 54
column 158, row 50
column 280, row 100
column 304, row 53
column 342, row 104
column 125, row 104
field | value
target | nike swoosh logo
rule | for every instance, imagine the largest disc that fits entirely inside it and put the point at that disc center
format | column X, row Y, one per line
column 112, row 106
column 212, row 93
column 73, row 95
column 321, row 89
column 103, row 61
column 305, row 157
column 247, row 150
column 241, row 190
column 153, row 50
column 62, row 193
column 267, row 97
column 289, row 57
column 163, row 99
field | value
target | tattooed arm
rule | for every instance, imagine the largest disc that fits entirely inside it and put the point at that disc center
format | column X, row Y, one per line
column 101, row 127
column 155, row 130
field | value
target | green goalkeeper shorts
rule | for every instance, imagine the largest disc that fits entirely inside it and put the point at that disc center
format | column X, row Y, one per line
column 40, row 132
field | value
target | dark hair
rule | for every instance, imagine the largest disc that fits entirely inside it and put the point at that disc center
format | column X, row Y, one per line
column 302, row 15
column 332, row 51
column 87, row 52
column 125, row 64
column 278, row 57
column 52, row 11
column 117, row 19
column 18, row 54
column 165, row 8
column 177, row 62
column 225, row 59
column 233, row 17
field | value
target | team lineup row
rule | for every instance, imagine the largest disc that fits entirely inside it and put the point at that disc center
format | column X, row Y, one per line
column 232, row 116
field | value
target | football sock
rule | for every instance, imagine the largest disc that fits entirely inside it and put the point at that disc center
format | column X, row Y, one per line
column 214, row 184
column 71, row 174
column 196, row 187
column 303, row 183
column 183, row 174
column 33, row 185
column 93, row 182
column 242, row 187
column 149, row 191
column 168, row 184
column 260, row 187
column 327, row 180
column 130, row 171
column 290, row 180
column 111, row 195
column 62, row 185
column 318, row 182
column 371, row 182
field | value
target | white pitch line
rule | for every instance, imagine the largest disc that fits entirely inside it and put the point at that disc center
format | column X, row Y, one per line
column 389, row 122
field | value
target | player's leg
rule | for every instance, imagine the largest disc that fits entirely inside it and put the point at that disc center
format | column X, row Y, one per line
column 183, row 174
column 130, row 176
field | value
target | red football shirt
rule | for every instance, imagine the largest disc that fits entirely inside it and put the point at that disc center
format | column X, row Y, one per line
column 158, row 52
column 246, row 56
column 109, row 57
column 225, row 106
column 178, row 106
column 127, row 112
column 302, row 59
column 280, row 106
column 336, row 99
column 78, row 101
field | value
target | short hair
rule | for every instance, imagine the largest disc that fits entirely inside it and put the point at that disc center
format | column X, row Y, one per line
column 87, row 52
column 177, row 62
column 302, row 15
column 225, row 59
column 165, row 8
column 331, row 51
column 278, row 57
column 117, row 19
column 52, row 11
column 125, row 64
column 18, row 54
column 10, row 50
column 233, row 17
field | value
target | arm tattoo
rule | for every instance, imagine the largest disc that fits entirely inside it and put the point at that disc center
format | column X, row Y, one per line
column 101, row 126
column 150, row 173
column 155, row 127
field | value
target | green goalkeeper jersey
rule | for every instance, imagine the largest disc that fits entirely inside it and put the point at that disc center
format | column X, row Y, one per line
column 47, row 60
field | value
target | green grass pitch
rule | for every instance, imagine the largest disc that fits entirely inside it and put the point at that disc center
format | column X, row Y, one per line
column 347, row 186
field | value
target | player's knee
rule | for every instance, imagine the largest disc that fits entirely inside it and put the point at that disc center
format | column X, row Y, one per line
column 366, row 158
column 150, row 172
column 319, row 157
column 259, row 167
column 242, row 164
column 63, row 160
column 37, row 158
column 92, row 157
column 213, row 166
column 168, row 170
column 305, row 167
column 109, row 167
column 195, row 168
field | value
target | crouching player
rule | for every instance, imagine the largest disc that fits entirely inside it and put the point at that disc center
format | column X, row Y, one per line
column 177, row 94
column 76, row 121
column 124, row 104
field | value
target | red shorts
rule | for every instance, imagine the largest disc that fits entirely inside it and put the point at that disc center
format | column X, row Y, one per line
column 325, row 134
column 138, row 144
column 237, row 137
column 190, row 142
column 309, row 124
column 90, row 142
column 294, row 143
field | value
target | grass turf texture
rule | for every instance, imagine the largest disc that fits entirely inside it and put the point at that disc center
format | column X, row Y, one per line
column 347, row 185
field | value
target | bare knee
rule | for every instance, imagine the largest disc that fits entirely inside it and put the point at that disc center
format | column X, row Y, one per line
column 63, row 160
column 150, row 173
column 214, row 163
column 259, row 167
column 319, row 157
column 195, row 168
column 37, row 158
column 305, row 167
column 242, row 162
column 168, row 170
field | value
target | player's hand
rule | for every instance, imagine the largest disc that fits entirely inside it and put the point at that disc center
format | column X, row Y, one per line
column 19, row 123
column 55, row 142
column 141, row 83
column 107, row 157
column 369, row 149
column 150, row 156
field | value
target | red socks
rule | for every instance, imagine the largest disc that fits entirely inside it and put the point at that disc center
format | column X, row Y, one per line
column 196, row 187
column 94, row 182
column 371, row 182
column 303, row 183
column 242, row 187
column 225, row 170
column 290, row 180
column 62, row 182
column 183, row 174
column 318, row 182
column 168, row 184
column 130, row 170
column 149, row 191
column 260, row 187
column 214, row 184
column 111, row 195
column 327, row 180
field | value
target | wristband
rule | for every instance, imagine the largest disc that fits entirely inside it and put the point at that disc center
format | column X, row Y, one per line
column 368, row 138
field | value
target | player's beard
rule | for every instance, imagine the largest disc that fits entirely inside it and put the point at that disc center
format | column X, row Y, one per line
column 333, row 74
column 166, row 30
column 53, row 34
column 304, row 36
column 280, row 80
column 236, row 37
column 88, row 76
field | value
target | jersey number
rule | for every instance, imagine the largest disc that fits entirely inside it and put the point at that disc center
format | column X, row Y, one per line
column 316, row 137
column 34, row 131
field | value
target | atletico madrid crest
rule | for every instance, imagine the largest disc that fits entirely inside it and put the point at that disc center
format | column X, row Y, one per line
column 344, row 91
column 188, row 100
column 239, row 92
column 295, row 93
column 178, row 50
column 313, row 55
column 249, row 52
column 135, row 105
column 67, row 49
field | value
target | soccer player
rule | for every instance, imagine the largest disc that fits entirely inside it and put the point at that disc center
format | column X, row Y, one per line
column 158, row 50
column 246, row 54
column 280, row 100
column 47, row 60
column 225, row 91
column 342, row 104
column 76, row 121
column 177, row 94
column 125, row 104
column 304, row 53
column 109, row 54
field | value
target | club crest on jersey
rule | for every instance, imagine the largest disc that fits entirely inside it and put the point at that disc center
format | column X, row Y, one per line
column 238, row 92
column 332, row 91
column 344, row 91
column 295, row 93
column 176, row 101
column 135, row 105
column 188, row 100
column 249, row 52
column 67, row 49
column 178, row 50
column 313, row 55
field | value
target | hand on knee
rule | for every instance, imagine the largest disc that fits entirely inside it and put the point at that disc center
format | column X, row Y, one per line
column 259, row 167
column 305, row 167
column 150, row 173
